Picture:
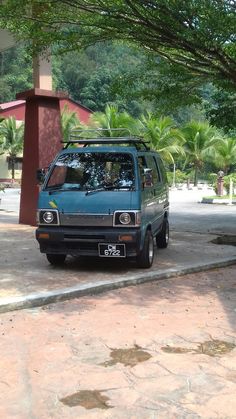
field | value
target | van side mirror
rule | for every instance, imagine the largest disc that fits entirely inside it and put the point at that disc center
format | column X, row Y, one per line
column 147, row 178
column 40, row 176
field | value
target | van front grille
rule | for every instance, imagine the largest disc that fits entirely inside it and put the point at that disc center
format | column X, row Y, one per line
column 86, row 220
column 83, row 237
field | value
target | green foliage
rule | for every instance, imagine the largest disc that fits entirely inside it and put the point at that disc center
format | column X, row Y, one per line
column 126, row 77
column 11, row 139
column 69, row 121
column 15, row 73
column 163, row 136
column 92, row 76
column 222, row 110
column 178, row 178
column 198, row 35
column 227, row 181
column 212, row 177
column 201, row 142
column 225, row 158
column 114, row 123
column 11, row 136
column 2, row 188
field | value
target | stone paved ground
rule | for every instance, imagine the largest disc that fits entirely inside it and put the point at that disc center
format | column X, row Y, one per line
column 159, row 350
column 24, row 271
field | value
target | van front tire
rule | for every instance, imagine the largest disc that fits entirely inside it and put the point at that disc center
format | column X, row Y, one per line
column 145, row 258
column 56, row 260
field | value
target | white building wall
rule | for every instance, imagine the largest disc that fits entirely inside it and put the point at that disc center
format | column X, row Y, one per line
column 5, row 174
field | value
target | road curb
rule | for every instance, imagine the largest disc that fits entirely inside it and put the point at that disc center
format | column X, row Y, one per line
column 49, row 297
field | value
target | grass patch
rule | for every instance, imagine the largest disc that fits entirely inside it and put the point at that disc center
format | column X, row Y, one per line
column 219, row 197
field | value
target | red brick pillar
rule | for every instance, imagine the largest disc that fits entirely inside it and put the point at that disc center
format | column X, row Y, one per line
column 42, row 141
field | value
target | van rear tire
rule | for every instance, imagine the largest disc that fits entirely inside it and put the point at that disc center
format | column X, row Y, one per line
column 162, row 239
column 146, row 256
column 56, row 260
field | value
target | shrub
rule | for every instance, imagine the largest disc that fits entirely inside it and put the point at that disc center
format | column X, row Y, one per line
column 180, row 177
column 227, row 181
column 2, row 188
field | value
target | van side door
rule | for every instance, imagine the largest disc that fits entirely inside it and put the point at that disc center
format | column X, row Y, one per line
column 164, row 196
column 153, row 201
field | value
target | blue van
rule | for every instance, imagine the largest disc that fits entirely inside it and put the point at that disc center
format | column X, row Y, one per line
column 105, row 197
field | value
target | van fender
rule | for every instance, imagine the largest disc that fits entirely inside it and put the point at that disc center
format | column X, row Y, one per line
column 144, row 229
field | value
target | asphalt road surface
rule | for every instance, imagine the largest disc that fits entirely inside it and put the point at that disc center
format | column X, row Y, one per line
column 186, row 212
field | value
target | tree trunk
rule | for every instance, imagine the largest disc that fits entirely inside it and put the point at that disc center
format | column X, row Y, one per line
column 195, row 176
column 13, row 168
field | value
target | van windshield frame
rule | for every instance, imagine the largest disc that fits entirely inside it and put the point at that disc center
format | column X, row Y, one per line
column 91, row 171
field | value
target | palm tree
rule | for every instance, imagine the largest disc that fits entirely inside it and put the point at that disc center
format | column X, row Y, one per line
column 226, row 154
column 163, row 136
column 69, row 122
column 201, row 141
column 11, row 135
column 114, row 123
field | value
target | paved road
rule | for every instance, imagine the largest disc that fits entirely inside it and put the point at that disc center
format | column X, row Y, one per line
column 27, row 278
column 186, row 213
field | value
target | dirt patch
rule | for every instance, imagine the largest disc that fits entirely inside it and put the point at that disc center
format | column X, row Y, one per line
column 225, row 239
column 89, row 399
column 210, row 347
column 128, row 357
column 176, row 350
column 215, row 347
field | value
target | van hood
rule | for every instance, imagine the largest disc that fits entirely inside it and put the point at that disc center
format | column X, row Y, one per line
column 99, row 202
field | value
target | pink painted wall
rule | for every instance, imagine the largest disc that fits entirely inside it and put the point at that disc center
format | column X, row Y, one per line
column 82, row 112
column 17, row 111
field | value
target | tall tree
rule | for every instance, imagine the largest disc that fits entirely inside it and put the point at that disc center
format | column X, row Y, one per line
column 12, row 80
column 226, row 154
column 201, row 140
column 197, row 34
column 114, row 123
column 11, row 140
column 69, row 121
column 163, row 136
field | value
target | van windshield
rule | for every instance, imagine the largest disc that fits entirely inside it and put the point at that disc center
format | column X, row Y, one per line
column 92, row 171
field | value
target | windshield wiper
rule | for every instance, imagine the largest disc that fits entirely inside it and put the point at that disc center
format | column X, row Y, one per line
column 61, row 189
column 90, row 191
column 106, row 188
column 54, row 188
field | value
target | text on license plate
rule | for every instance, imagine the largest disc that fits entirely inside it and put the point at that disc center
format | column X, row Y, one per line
column 111, row 250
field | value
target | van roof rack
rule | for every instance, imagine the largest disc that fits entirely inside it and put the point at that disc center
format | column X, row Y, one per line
column 78, row 137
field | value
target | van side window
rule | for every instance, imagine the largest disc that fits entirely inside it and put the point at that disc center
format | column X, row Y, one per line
column 141, row 165
column 151, row 161
column 162, row 169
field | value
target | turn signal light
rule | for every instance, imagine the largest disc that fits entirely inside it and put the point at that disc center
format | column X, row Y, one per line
column 43, row 236
column 125, row 238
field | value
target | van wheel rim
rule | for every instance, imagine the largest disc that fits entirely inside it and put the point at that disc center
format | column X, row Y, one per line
column 151, row 250
column 167, row 233
column 167, row 236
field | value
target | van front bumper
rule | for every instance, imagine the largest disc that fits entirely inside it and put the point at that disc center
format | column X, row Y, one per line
column 84, row 241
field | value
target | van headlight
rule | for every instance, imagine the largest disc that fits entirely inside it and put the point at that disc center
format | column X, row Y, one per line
column 126, row 219
column 49, row 217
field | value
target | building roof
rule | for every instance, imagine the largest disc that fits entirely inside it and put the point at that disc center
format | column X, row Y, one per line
column 16, row 109
column 12, row 104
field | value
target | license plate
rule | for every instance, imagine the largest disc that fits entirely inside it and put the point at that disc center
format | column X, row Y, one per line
column 111, row 250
